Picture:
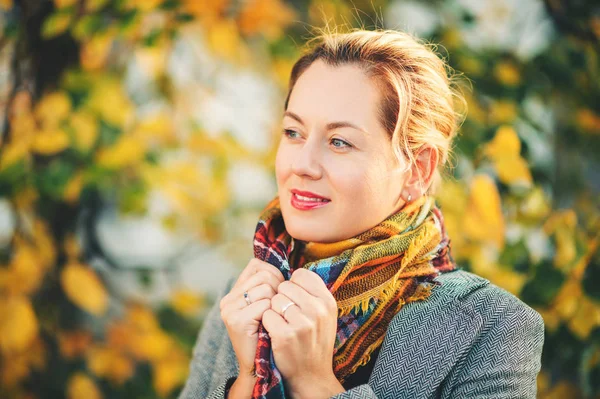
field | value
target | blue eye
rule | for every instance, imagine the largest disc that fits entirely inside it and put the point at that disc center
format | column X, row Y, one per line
column 290, row 133
column 342, row 145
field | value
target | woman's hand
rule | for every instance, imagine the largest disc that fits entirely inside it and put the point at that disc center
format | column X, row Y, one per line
column 261, row 280
column 303, row 341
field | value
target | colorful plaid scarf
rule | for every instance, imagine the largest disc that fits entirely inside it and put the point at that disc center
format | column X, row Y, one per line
column 371, row 276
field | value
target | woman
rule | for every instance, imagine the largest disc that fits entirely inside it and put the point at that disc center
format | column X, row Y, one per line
column 353, row 292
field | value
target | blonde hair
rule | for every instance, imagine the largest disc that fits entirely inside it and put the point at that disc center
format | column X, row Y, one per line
column 418, row 96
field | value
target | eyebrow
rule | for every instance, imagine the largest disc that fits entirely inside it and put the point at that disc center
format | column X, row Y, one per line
column 329, row 126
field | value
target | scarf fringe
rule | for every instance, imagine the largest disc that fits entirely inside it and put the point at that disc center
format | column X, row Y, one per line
column 366, row 357
column 385, row 294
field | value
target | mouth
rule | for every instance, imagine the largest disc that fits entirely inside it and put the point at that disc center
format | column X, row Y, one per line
column 305, row 200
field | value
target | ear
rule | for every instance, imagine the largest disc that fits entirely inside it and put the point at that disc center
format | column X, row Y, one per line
column 422, row 171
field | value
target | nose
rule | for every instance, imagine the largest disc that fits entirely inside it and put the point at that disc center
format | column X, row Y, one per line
column 306, row 162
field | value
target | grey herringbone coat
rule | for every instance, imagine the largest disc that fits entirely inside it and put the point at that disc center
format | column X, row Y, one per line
column 469, row 339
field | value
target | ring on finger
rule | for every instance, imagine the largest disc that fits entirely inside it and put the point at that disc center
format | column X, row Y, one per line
column 283, row 309
column 247, row 298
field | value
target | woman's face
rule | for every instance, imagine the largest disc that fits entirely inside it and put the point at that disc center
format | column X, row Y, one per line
column 333, row 146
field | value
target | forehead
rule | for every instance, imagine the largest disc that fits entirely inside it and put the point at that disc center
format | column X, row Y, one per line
column 325, row 93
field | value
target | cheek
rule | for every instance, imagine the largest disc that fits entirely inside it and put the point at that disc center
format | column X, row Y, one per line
column 348, row 180
column 360, row 186
column 282, row 168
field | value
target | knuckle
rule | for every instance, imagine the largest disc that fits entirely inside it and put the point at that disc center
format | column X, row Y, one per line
column 332, row 305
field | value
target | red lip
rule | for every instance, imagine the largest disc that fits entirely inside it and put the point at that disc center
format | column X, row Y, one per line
column 307, row 205
column 308, row 194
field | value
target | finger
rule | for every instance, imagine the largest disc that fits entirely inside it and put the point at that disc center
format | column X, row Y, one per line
column 261, row 277
column 250, row 312
column 275, row 325
column 262, row 291
column 304, row 300
column 293, row 314
column 253, row 267
column 311, row 282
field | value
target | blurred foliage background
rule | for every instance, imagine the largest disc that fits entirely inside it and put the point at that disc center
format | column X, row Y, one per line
column 137, row 148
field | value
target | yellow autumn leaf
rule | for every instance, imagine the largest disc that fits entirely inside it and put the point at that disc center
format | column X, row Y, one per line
column 585, row 319
column 18, row 324
column 536, row 205
column 282, row 68
column 24, row 273
column 81, row 386
column 127, row 151
column 566, row 250
column 567, row 300
column 141, row 318
column 84, row 288
column 207, row 11
column 12, row 153
column 513, row 171
column 52, row 109
column 95, row 51
column 268, row 17
column 23, row 128
column 504, row 150
column 186, row 302
column 6, row 4
column 337, row 13
column 588, row 120
column 74, row 343
column 94, row 5
column 157, row 130
column 543, row 382
column 224, row 39
column 508, row 279
column 560, row 219
column 169, row 373
column 505, row 144
column 151, row 345
column 507, row 74
column 85, row 129
column 110, row 364
column 17, row 366
column 50, row 142
column 144, row 5
column 110, row 102
column 483, row 219
column 561, row 390
column 471, row 65
column 503, row 111
column 64, row 3
column 73, row 188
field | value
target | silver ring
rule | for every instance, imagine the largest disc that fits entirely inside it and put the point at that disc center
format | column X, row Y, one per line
column 283, row 309
column 247, row 298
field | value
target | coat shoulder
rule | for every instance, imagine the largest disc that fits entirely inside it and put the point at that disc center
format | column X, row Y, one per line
column 480, row 298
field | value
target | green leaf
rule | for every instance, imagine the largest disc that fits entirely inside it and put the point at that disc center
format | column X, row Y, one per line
column 57, row 23
column 52, row 179
column 88, row 25
column 13, row 179
column 109, row 134
column 591, row 279
column 544, row 286
column 184, row 17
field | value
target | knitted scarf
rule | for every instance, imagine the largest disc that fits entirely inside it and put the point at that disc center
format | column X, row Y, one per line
column 371, row 276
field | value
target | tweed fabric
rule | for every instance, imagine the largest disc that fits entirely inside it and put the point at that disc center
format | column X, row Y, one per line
column 470, row 339
column 371, row 276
